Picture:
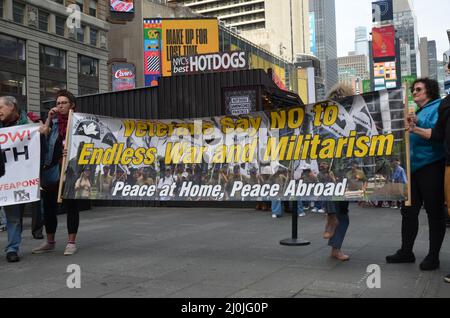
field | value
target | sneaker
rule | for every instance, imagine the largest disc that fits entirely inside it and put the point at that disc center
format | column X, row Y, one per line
column 321, row 211
column 2, row 228
column 44, row 248
column 447, row 278
column 302, row 214
column 314, row 210
column 400, row 257
column 70, row 249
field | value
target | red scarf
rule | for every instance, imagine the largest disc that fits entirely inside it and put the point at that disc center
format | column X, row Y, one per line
column 62, row 125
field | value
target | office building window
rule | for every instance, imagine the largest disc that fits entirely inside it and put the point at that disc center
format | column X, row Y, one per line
column 83, row 90
column 93, row 8
column 80, row 3
column 60, row 23
column 80, row 33
column 12, row 84
column 87, row 66
column 12, row 48
column 49, row 88
column 43, row 20
column 18, row 11
column 52, row 57
column 93, row 37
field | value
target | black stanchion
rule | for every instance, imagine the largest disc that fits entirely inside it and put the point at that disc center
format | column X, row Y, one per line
column 294, row 241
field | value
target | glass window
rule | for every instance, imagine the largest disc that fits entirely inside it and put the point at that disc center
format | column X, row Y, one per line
column 11, row 47
column 60, row 25
column 80, row 33
column 12, row 84
column 18, row 11
column 43, row 20
column 80, row 3
column 82, row 90
column 93, row 8
column 87, row 66
column 93, row 37
column 50, row 88
column 52, row 57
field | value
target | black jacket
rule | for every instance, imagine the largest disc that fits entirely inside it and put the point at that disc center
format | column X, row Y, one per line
column 441, row 131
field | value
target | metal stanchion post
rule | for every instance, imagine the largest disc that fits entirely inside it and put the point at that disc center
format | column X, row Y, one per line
column 294, row 241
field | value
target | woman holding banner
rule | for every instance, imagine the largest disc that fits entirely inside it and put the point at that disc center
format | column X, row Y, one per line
column 56, row 127
column 427, row 181
column 441, row 132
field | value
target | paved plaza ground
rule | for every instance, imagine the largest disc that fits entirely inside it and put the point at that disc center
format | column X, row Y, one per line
column 221, row 253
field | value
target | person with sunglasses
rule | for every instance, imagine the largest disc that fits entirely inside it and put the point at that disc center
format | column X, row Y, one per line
column 441, row 132
column 427, row 180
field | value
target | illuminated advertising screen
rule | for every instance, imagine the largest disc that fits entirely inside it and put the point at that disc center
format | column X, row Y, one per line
column 385, row 75
column 165, row 39
column 383, row 41
column 382, row 11
column 121, row 5
column 123, row 76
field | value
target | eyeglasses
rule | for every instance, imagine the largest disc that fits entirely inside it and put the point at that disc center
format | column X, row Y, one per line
column 417, row 89
column 62, row 103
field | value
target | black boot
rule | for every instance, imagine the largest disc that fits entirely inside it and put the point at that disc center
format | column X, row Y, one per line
column 401, row 257
column 429, row 264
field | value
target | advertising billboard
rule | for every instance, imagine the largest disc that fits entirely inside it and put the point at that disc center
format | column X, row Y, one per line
column 121, row 5
column 383, row 42
column 123, row 76
column 214, row 62
column 382, row 11
column 165, row 39
column 385, row 75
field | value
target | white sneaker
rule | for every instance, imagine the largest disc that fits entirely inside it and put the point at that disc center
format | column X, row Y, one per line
column 302, row 214
column 314, row 210
column 70, row 249
column 44, row 248
column 321, row 211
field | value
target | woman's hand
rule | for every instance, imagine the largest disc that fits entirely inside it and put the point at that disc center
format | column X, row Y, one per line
column 52, row 113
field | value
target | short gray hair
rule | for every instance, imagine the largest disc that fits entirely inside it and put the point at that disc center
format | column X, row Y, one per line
column 10, row 101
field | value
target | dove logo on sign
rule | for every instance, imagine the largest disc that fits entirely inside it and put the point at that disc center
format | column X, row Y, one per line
column 88, row 128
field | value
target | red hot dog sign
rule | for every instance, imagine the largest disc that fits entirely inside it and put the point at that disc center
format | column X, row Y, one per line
column 213, row 62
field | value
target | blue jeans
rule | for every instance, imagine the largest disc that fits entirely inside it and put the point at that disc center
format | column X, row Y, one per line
column 341, row 211
column 276, row 208
column 14, row 214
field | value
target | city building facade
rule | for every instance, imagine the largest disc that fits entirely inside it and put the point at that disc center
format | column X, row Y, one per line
column 405, row 22
column 278, row 26
column 324, row 12
column 126, row 41
column 352, row 70
column 45, row 46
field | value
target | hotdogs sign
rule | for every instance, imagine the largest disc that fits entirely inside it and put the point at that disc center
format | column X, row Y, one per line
column 214, row 62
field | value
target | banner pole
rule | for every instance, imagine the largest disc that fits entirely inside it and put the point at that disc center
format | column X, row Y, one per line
column 408, row 203
column 63, row 170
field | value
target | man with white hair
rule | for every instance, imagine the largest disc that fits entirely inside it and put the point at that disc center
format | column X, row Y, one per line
column 11, row 116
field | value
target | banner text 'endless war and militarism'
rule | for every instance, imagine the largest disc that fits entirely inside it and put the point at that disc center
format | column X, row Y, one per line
column 259, row 156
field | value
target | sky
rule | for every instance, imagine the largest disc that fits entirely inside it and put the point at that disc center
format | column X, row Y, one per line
column 432, row 17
